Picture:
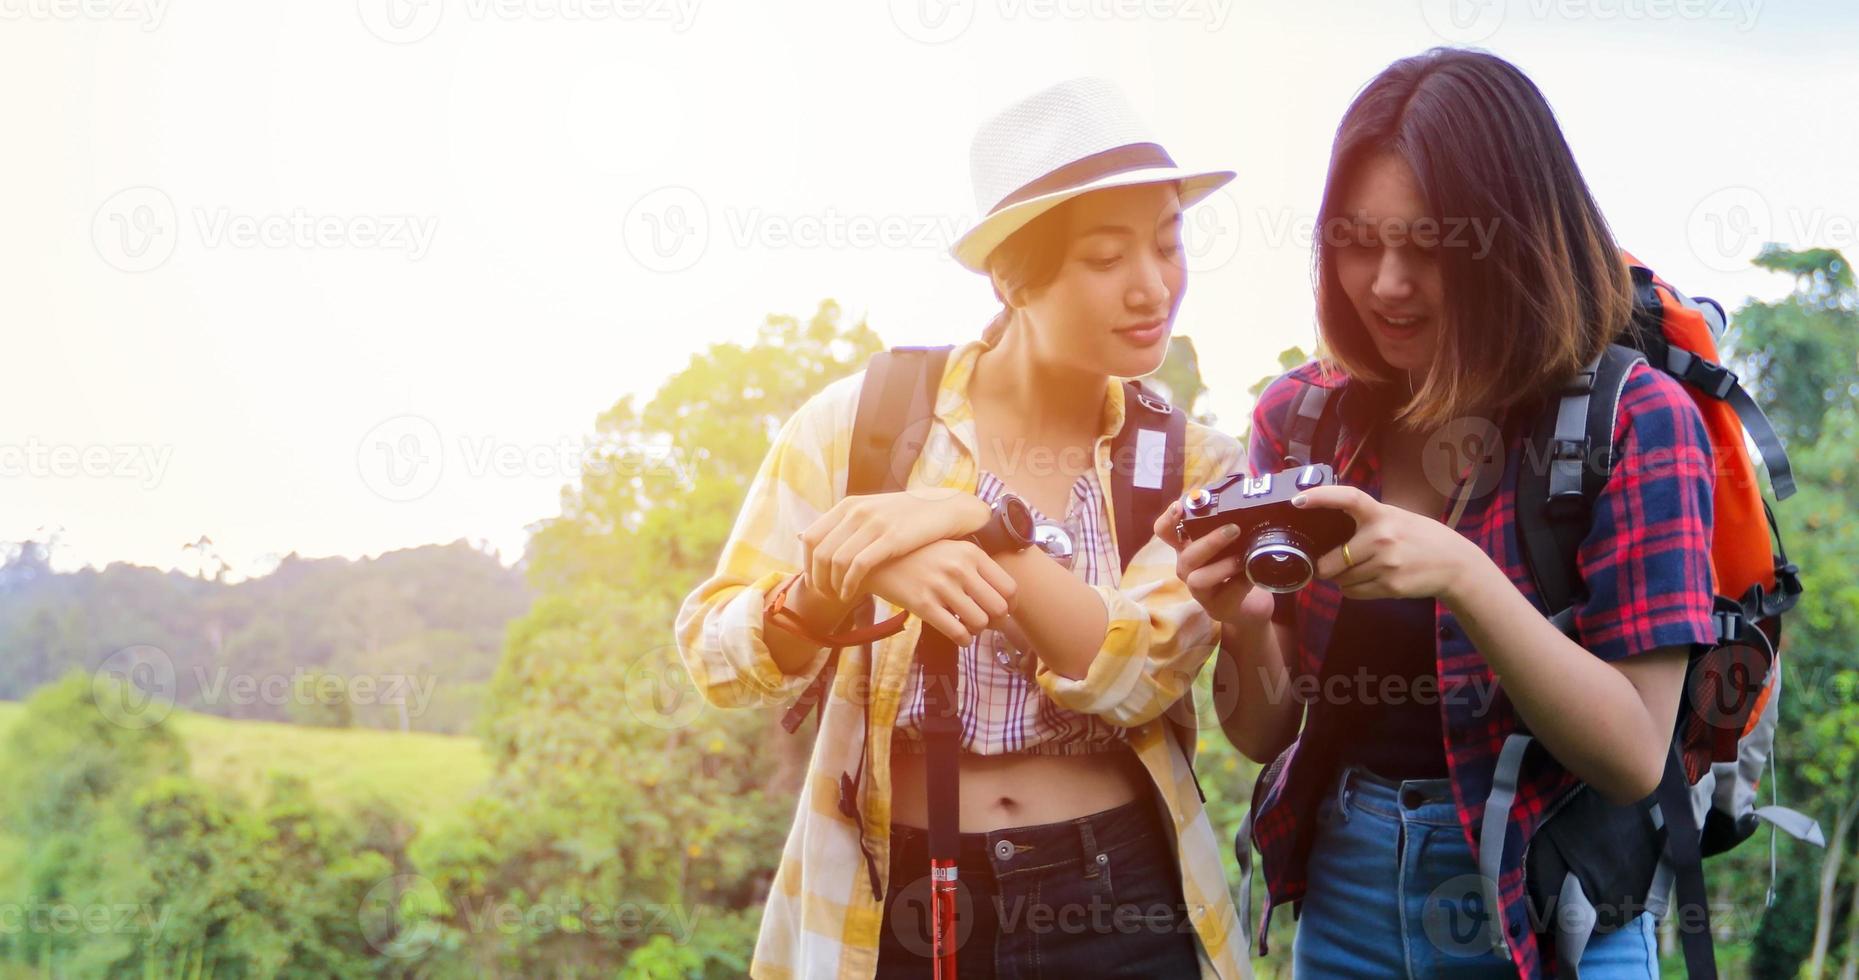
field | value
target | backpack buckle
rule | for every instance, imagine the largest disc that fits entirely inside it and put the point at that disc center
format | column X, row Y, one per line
column 1569, row 450
column 1581, row 384
column 1707, row 376
column 1729, row 626
column 1152, row 403
column 1568, row 507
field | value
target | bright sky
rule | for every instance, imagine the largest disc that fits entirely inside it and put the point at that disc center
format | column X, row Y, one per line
column 345, row 277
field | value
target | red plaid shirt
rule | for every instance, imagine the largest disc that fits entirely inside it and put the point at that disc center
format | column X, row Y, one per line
column 1647, row 570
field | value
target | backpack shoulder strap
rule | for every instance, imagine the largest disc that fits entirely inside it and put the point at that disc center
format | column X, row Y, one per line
column 1310, row 431
column 1146, row 459
column 1147, row 464
column 897, row 400
column 1567, row 463
column 896, row 404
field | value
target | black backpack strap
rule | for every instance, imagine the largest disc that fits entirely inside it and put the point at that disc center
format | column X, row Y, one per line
column 1310, row 435
column 896, row 405
column 1565, row 466
column 896, row 402
column 1145, row 466
column 1684, row 855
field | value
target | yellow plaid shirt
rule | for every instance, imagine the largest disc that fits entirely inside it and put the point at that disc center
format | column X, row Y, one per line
column 822, row 919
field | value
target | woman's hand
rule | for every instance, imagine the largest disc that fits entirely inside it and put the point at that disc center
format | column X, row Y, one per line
column 863, row 532
column 1398, row 554
column 953, row 586
column 1221, row 587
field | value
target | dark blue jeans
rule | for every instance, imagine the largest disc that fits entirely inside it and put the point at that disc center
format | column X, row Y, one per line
column 1097, row 896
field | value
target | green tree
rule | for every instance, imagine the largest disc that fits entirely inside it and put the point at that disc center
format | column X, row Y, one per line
column 1800, row 356
column 1801, row 353
column 615, row 785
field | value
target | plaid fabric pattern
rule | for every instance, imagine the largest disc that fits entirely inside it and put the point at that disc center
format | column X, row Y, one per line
column 822, row 918
column 1000, row 707
column 1647, row 570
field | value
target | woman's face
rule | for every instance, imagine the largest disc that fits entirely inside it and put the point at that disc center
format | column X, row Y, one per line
column 1388, row 262
column 1112, row 304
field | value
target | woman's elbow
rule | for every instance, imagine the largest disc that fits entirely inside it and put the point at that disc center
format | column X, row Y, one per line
column 1635, row 784
column 1258, row 746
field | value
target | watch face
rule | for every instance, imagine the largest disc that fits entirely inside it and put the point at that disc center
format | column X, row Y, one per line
column 1019, row 517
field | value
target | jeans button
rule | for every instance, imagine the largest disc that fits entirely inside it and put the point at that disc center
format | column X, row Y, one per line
column 1003, row 849
column 1411, row 799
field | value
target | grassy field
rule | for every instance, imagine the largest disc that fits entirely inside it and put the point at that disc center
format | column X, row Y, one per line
column 426, row 777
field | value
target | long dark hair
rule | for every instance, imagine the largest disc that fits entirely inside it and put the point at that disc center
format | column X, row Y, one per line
column 1542, row 292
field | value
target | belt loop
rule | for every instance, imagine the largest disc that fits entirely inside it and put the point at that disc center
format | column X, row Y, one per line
column 1093, row 858
column 1342, row 795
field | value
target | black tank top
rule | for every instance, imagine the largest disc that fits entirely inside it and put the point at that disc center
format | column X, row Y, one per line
column 1371, row 711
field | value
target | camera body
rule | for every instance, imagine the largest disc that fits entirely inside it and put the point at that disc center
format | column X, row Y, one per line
column 1281, row 543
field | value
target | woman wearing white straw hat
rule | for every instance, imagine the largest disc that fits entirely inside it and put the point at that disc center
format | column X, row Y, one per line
column 1083, row 848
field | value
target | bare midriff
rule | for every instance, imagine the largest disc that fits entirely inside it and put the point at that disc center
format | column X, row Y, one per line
column 1020, row 790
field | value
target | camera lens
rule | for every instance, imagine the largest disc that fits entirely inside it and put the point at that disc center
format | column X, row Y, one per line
column 1278, row 560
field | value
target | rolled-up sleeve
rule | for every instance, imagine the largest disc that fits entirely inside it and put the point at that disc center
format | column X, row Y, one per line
column 719, row 625
column 1158, row 636
column 1646, row 559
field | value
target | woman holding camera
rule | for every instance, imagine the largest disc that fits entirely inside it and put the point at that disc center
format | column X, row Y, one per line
column 1463, row 274
column 1084, row 849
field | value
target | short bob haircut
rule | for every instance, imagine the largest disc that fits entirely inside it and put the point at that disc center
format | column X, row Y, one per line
column 1551, row 291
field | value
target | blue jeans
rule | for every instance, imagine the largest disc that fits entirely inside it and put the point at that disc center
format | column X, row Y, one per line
column 1394, row 893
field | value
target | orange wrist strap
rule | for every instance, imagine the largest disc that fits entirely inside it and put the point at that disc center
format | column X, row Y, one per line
column 776, row 611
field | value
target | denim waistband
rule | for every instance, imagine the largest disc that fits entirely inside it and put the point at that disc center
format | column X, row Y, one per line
column 1013, row 850
column 1428, row 801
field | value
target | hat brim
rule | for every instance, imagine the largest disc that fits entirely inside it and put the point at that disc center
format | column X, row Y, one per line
column 973, row 248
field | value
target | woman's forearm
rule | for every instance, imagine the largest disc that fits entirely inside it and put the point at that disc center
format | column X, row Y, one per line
column 1584, row 711
column 1061, row 616
column 1252, row 691
column 945, row 514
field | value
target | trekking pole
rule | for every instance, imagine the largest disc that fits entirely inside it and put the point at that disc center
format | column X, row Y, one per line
column 942, row 733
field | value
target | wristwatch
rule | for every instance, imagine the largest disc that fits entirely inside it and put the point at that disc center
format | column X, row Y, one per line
column 1009, row 526
column 1056, row 541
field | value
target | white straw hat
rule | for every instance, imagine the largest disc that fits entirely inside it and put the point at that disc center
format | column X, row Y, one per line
column 1077, row 136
